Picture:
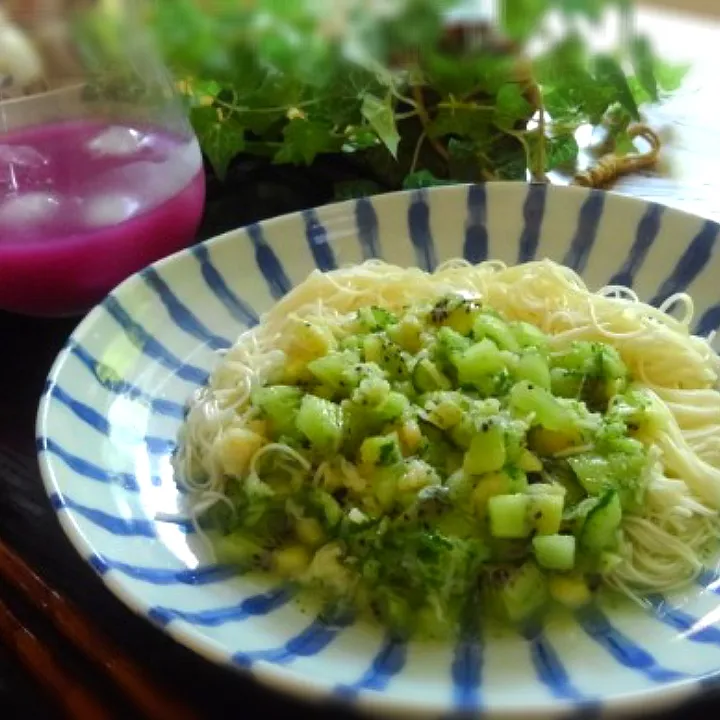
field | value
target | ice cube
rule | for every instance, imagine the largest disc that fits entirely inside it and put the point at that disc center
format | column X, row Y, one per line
column 109, row 209
column 22, row 166
column 117, row 141
column 32, row 208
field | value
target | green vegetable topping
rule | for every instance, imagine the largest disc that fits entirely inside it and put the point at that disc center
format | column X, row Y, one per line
column 437, row 459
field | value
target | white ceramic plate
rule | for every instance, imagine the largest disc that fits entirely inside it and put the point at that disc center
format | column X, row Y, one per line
column 114, row 401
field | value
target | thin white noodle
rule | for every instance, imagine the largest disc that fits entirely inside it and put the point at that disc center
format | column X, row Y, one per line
column 662, row 543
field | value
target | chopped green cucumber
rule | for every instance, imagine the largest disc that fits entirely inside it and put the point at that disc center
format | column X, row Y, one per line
column 427, row 377
column 336, row 371
column 238, row 549
column 555, row 552
column 280, row 404
column 546, row 513
column 487, row 450
column 497, row 330
column 492, row 484
column 529, row 336
column 478, row 363
column 525, row 592
column 508, row 516
column 602, row 523
column 320, row 421
column 383, row 450
column 546, row 410
column 533, row 367
column 372, row 319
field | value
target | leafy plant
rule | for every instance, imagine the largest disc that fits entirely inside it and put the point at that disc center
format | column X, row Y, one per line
column 408, row 97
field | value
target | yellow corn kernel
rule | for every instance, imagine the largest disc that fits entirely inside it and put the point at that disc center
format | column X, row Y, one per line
column 259, row 427
column 408, row 334
column 570, row 590
column 309, row 531
column 489, row 485
column 308, row 341
column 549, row 442
column 235, row 448
column 529, row 462
column 410, row 437
column 416, row 476
column 291, row 561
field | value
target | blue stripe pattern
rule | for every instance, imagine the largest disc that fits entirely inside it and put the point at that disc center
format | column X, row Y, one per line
column 164, row 354
column 710, row 580
column 582, row 243
column 317, row 239
column 205, row 575
column 684, row 622
column 253, row 606
column 98, row 422
column 238, row 309
column 86, row 469
column 466, row 673
column 108, row 379
column 150, row 346
column 419, row 226
column 647, row 232
column 690, row 264
column 389, row 662
column 548, row 667
column 533, row 212
column 709, row 322
column 181, row 315
column 311, row 641
column 622, row 648
column 267, row 261
column 124, row 527
column 367, row 227
column 475, row 249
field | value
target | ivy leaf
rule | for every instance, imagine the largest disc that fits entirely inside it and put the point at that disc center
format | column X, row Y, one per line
column 304, row 139
column 609, row 73
column 637, row 89
column 511, row 106
column 643, row 60
column 381, row 116
column 354, row 189
column 669, row 75
column 519, row 18
column 360, row 137
column 220, row 139
column 424, row 179
column 462, row 76
column 468, row 120
column 566, row 58
column 561, row 151
column 591, row 9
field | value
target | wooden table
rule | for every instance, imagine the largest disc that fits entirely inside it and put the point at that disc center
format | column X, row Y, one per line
column 686, row 179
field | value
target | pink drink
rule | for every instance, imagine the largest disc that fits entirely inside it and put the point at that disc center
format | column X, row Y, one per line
column 84, row 204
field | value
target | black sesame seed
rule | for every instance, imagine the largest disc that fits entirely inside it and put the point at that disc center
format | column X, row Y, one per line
column 538, row 515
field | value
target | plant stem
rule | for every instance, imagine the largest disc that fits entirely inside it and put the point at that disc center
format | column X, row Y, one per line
column 425, row 120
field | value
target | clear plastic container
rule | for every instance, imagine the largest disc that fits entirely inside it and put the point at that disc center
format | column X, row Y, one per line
column 100, row 173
